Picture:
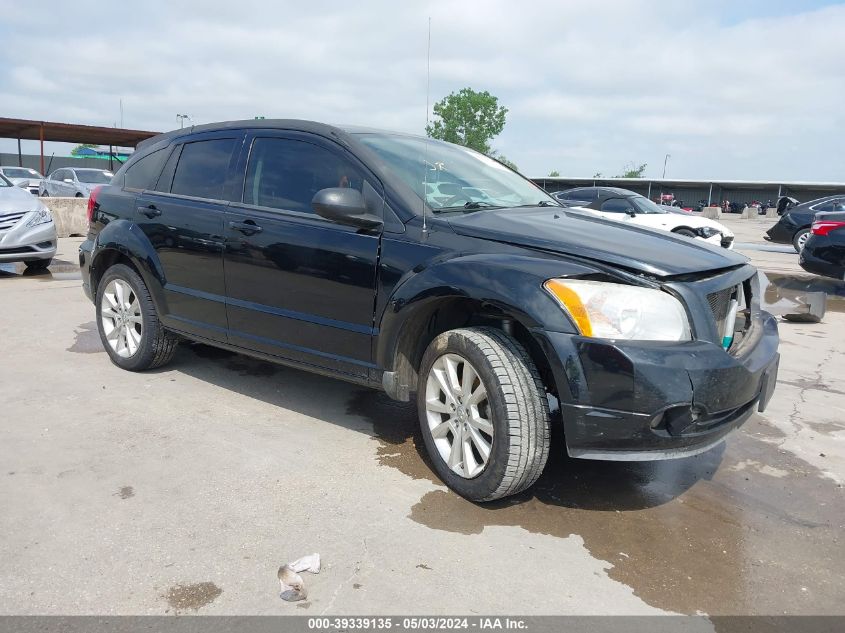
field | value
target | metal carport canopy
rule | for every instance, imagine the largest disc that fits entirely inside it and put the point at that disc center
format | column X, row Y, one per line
column 70, row 133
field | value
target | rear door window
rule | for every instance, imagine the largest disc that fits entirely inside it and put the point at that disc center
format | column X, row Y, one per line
column 203, row 168
column 286, row 173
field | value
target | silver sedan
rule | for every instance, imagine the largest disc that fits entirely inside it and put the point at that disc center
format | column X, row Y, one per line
column 27, row 230
column 74, row 182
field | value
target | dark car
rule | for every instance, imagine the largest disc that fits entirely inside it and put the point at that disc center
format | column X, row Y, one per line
column 322, row 248
column 577, row 197
column 824, row 250
column 793, row 227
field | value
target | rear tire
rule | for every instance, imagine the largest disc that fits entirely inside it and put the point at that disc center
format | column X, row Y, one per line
column 45, row 195
column 128, row 323
column 799, row 239
column 79, row 195
column 503, row 435
column 38, row 264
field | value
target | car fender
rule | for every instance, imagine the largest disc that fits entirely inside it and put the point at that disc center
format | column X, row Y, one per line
column 512, row 284
column 130, row 241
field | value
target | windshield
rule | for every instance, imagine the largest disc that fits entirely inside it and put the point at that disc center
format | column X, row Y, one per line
column 450, row 177
column 94, row 176
column 21, row 172
column 644, row 205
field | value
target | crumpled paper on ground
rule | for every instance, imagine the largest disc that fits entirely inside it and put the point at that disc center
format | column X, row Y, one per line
column 292, row 585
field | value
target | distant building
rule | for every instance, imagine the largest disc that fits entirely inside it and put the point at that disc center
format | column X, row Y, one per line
column 101, row 153
column 711, row 191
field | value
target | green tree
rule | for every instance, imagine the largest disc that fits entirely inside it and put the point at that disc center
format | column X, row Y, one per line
column 503, row 159
column 75, row 150
column 597, row 174
column 633, row 171
column 468, row 118
column 554, row 173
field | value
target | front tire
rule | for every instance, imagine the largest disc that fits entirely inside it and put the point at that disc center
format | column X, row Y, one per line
column 483, row 412
column 799, row 239
column 684, row 232
column 128, row 322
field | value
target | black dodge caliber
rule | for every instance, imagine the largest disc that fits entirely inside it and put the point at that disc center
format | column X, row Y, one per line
column 428, row 270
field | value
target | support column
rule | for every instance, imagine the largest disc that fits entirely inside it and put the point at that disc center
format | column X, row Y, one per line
column 710, row 195
column 41, row 138
column 20, row 156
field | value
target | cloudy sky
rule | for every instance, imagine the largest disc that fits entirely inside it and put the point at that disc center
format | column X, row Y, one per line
column 730, row 88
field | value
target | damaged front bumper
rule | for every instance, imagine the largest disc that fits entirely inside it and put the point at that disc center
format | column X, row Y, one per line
column 635, row 401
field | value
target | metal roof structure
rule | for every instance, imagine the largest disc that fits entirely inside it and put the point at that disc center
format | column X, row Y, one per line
column 70, row 133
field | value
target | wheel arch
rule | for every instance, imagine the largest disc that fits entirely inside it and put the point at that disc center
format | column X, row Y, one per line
column 466, row 292
column 118, row 243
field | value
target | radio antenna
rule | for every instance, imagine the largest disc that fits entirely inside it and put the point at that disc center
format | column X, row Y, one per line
column 425, row 151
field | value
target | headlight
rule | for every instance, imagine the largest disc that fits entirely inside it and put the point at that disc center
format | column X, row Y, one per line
column 616, row 311
column 707, row 232
column 39, row 216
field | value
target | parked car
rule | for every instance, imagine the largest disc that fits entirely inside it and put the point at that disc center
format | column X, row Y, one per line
column 23, row 177
column 824, row 250
column 578, row 196
column 785, row 203
column 74, row 182
column 320, row 248
column 793, row 227
column 627, row 206
column 27, row 231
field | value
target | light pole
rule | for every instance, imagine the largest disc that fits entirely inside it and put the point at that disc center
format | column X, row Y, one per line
column 182, row 118
column 666, row 160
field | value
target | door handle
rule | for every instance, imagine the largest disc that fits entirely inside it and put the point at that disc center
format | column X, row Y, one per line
column 247, row 227
column 150, row 211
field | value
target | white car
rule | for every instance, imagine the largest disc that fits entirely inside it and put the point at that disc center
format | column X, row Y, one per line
column 23, row 177
column 629, row 207
column 27, row 230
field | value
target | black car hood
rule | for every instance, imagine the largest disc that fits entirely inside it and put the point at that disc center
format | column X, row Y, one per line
column 571, row 233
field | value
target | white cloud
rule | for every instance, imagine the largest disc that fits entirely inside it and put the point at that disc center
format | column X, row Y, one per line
column 590, row 86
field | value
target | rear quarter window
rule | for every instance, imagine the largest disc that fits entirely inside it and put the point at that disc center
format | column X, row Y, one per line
column 143, row 173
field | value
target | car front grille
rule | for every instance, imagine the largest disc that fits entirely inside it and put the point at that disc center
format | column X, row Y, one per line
column 8, row 220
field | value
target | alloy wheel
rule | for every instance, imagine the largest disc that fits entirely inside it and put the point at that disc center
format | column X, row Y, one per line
column 459, row 415
column 123, row 323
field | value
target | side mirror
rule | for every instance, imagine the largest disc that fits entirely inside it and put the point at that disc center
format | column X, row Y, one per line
column 344, row 206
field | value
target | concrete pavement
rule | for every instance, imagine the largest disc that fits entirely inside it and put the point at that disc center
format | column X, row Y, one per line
column 185, row 488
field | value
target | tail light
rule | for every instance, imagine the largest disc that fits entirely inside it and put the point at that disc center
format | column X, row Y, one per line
column 823, row 227
column 92, row 202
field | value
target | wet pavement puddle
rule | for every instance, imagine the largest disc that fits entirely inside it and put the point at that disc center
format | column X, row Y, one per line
column 194, row 597
column 87, row 339
column 726, row 532
column 59, row 270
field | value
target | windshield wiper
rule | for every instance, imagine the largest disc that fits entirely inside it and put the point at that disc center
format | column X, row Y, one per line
column 541, row 203
column 475, row 204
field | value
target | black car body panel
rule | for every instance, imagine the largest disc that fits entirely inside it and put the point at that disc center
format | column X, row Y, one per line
column 578, row 235
column 825, row 254
column 360, row 304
